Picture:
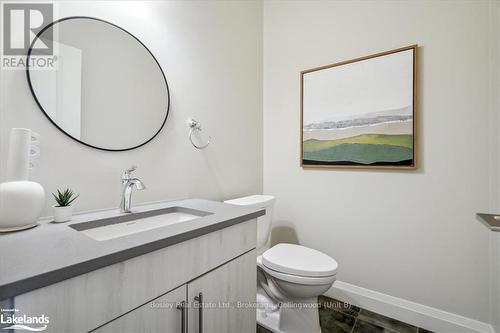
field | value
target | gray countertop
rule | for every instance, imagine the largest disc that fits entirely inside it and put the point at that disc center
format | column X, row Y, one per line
column 490, row 221
column 50, row 252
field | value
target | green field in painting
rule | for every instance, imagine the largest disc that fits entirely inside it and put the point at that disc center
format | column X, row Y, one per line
column 363, row 149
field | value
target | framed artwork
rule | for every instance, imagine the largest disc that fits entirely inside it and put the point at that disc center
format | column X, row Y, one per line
column 361, row 113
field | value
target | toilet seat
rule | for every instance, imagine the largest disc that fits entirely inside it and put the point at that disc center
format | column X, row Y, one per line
column 304, row 280
column 292, row 259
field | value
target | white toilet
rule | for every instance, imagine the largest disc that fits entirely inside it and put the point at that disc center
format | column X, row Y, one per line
column 290, row 277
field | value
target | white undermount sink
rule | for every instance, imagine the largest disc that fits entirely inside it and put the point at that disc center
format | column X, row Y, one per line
column 123, row 225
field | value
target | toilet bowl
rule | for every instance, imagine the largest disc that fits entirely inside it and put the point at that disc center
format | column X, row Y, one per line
column 290, row 277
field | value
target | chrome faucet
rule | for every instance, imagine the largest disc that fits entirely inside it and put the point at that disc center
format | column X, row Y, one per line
column 128, row 184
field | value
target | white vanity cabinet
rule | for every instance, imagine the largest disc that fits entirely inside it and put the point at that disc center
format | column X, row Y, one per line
column 159, row 315
column 117, row 298
column 226, row 295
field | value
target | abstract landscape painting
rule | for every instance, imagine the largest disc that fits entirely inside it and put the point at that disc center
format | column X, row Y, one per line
column 360, row 113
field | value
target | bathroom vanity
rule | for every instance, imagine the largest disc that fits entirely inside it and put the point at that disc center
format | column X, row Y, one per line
column 140, row 281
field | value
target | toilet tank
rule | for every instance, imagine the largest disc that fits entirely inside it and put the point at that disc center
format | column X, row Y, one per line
column 264, row 222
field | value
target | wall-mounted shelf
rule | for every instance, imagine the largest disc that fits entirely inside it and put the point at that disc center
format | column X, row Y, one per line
column 492, row 221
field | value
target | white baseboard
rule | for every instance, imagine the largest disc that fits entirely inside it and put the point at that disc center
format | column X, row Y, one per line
column 409, row 312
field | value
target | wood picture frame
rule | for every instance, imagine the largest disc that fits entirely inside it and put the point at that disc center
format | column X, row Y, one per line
column 372, row 123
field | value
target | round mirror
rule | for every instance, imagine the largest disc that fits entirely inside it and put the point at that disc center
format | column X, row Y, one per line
column 105, row 88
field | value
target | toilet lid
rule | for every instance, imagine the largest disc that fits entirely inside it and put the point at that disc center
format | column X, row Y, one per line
column 299, row 260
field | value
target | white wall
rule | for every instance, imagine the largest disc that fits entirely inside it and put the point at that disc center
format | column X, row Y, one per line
column 495, row 280
column 495, row 102
column 211, row 53
column 409, row 234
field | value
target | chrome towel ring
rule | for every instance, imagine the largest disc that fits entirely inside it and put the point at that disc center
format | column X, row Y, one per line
column 196, row 126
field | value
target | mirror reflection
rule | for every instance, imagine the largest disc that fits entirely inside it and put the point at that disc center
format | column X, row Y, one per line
column 106, row 90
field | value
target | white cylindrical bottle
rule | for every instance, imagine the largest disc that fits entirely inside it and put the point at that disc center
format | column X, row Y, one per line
column 23, row 147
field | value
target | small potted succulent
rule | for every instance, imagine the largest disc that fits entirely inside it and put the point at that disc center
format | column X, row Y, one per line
column 63, row 210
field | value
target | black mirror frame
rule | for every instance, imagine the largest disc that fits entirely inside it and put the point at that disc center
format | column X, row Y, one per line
column 52, row 121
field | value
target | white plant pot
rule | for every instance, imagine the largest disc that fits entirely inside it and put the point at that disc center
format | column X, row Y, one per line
column 62, row 213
